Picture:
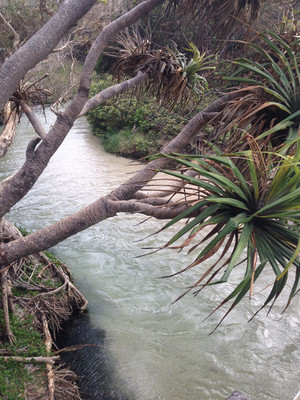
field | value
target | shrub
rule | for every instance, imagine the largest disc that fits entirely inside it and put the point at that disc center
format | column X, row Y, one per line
column 133, row 126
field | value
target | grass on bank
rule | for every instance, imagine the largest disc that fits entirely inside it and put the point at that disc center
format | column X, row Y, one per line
column 41, row 288
column 15, row 377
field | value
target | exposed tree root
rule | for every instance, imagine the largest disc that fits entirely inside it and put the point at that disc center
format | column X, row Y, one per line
column 64, row 274
column 4, row 289
column 7, row 233
column 57, row 302
column 65, row 384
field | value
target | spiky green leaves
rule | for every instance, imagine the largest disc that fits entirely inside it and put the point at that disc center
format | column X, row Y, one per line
column 252, row 212
column 273, row 74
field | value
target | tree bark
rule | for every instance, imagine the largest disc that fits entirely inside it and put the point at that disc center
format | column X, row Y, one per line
column 30, row 360
column 11, row 119
column 7, row 232
column 37, row 126
column 4, row 290
column 48, row 345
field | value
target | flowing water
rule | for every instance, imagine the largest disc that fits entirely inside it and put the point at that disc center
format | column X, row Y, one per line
column 145, row 347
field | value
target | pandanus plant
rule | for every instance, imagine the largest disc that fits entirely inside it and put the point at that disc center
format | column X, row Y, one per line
column 269, row 103
column 174, row 77
column 253, row 215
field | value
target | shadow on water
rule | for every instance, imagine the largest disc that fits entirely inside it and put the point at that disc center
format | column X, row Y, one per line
column 93, row 364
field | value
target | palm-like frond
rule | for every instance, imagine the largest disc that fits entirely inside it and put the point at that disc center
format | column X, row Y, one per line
column 252, row 213
column 269, row 106
column 173, row 77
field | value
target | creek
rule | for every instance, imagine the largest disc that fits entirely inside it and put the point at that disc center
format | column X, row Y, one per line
column 149, row 348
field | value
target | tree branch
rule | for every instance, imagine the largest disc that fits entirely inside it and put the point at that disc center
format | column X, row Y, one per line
column 167, row 191
column 15, row 187
column 108, row 93
column 168, row 211
column 37, row 126
column 128, row 189
column 30, row 360
column 109, row 206
column 11, row 118
column 16, row 43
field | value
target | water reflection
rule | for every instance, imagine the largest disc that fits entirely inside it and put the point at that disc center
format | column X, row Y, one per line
column 91, row 361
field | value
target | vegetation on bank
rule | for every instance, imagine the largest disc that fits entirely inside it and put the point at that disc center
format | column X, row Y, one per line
column 41, row 298
column 17, row 378
column 138, row 124
column 263, row 120
column 133, row 126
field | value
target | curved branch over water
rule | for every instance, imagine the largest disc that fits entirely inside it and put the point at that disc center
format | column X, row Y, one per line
column 16, row 187
column 109, row 206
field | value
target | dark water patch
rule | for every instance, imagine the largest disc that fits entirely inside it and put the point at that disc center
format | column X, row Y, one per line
column 98, row 379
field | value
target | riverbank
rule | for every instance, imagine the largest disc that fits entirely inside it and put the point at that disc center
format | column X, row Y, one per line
column 134, row 127
column 41, row 297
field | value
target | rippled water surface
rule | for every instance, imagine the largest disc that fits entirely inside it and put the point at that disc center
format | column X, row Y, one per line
column 156, row 350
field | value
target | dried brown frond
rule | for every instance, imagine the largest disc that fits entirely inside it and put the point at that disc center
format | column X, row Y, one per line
column 251, row 112
column 168, row 80
column 56, row 297
column 222, row 15
column 31, row 93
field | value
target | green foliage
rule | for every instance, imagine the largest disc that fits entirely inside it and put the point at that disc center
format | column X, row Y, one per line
column 192, row 67
column 26, row 337
column 25, row 18
column 250, row 203
column 133, row 125
column 13, row 378
column 23, row 231
column 274, row 70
